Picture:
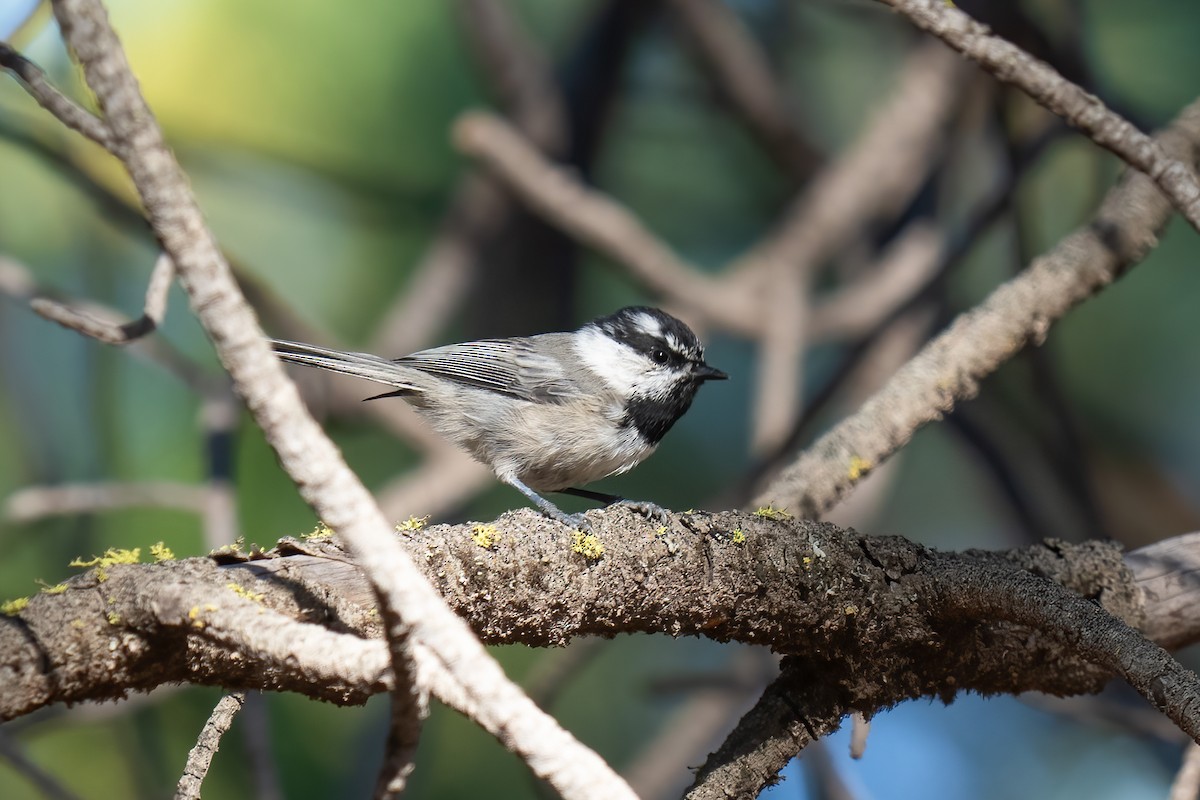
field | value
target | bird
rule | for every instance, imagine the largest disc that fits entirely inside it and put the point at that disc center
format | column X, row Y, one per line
column 550, row 412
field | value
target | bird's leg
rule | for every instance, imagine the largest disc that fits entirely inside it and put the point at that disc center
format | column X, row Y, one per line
column 644, row 507
column 552, row 511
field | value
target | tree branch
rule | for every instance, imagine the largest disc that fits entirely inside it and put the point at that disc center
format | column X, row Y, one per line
column 1039, row 80
column 201, row 756
column 1017, row 313
column 66, row 110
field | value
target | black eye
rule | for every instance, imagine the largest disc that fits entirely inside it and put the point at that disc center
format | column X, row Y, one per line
column 659, row 356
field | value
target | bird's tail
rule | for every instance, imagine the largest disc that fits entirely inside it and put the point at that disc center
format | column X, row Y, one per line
column 360, row 365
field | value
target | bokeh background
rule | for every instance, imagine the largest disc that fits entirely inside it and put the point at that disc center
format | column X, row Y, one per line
column 317, row 136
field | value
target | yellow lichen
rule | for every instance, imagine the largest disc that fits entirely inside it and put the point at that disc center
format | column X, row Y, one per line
column 771, row 512
column 586, row 544
column 242, row 591
column 10, row 608
column 412, row 524
column 661, row 530
column 232, row 548
column 113, row 555
column 113, row 618
column 322, row 531
column 57, row 588
column 161, row 553
column 851, row 610
column 486, row 536
column 858, row 467
column 739, row 537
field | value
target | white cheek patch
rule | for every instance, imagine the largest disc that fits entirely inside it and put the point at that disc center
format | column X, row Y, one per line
column 612, row 362
column 624, row 370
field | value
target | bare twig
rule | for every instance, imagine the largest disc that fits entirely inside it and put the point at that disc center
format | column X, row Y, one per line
column 877, row 175
column 1018, row 313
column 599, row 221
column 36, row 502
column 741, row 73
column 201, row 756
column 410, row 608
column 110, row 331
column 906, row 266
column 68, row 112
column 1009, row 63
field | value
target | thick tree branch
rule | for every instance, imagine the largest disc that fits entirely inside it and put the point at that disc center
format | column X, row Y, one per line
column 876, row 605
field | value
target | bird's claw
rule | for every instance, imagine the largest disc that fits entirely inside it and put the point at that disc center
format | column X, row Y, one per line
column 652, row 511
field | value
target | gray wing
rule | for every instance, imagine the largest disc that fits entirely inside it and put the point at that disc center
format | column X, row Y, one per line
column 526, row 368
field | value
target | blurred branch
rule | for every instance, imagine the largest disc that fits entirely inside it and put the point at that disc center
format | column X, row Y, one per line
column 521, row 78
column 1186, row 785
column 741, row 73
column 1017, row 313
column 17, row 282
column 36, row 502
column 696, row 726
column 906, row 266
column 111, row 331
column 877, row 175
column 599, row 221
column 256, row 738
column 46, row 783
column 516, row 70
column 1009, row 63
column 66, row 110
column 201, row 756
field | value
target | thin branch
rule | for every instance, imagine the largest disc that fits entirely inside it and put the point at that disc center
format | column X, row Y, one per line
column 411, row 609
column 599, row 221
column 1017, row 313
column 739, row 69
column 878, row 174
column 110, row 331
column 207, row 743
column 1009, row 63
column 68, row 112
column 906, row 266
column 37, row 502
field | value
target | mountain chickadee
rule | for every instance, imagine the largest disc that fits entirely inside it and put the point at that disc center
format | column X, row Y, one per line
column 552, row 411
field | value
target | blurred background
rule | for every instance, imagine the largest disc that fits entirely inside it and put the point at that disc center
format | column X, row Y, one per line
column 318, row 139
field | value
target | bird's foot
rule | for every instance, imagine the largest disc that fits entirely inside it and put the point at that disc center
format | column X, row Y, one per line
column 651, row 511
